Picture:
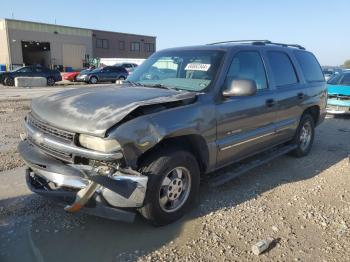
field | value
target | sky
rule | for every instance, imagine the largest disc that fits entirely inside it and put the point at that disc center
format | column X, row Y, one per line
column 322, row 26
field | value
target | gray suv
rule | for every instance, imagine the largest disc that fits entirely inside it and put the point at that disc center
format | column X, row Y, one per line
column 144, row 146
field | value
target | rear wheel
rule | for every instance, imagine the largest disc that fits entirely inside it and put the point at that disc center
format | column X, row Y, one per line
column 173, row 185
column 50, row 81
column 304, row 136
column 9, row 81
column 121, row 78
column 93, row 80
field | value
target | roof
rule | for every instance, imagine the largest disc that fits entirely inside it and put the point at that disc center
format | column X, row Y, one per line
column 240, row 44
column 70, row 27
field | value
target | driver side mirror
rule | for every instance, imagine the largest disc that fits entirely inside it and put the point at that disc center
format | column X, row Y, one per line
column 240, row 87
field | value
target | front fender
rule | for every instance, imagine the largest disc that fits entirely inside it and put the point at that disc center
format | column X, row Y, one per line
column 139, row 135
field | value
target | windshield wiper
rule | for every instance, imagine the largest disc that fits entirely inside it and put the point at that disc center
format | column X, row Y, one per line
column 150, row 85
column 158, row 86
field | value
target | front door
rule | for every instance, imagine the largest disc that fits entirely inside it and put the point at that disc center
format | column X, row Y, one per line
column 245, row 125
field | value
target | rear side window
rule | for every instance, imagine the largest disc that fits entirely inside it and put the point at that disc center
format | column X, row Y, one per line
column 310, row 67
column 282, row 68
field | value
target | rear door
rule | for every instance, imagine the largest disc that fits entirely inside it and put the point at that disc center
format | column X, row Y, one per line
column 290, row 92
column 40, row 72
column 245, row 125
column 115, row 73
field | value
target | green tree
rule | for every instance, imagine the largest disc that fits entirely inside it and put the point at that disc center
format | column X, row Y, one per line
column 347, row 64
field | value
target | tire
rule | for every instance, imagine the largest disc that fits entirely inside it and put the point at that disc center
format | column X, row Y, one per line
column 50, row 81
column 9, row 81
column 93, row 80
column 121, row 78
column 164, row 183
column 304, row 137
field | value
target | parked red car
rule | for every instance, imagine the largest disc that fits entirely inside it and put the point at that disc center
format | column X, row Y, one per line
column 70, row 76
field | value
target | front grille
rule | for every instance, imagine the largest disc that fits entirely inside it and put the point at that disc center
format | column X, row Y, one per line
column 339, row 97
column 47, row 129
column 53, row 152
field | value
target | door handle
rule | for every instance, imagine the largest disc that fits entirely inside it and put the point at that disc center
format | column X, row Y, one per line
column 270, row 102
column 301, row 95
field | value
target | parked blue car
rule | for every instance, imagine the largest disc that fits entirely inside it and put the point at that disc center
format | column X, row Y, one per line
column 339, row 94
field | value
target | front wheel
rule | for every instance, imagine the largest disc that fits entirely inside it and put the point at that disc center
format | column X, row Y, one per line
column 173, row 185
column 304, row 136
column 9, row 81
column 50, row 81
column 93, row 80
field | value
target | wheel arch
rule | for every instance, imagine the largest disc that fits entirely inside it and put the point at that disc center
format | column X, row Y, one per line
column 93, row 76
column 194, row 143
column 314, row 111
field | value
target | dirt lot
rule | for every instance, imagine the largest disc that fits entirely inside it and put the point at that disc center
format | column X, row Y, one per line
column 11, row 117
column 304, row 204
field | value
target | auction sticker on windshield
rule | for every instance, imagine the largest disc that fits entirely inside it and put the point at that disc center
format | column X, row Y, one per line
column 197, row 67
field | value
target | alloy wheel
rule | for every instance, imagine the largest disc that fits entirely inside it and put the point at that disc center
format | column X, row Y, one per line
column 305, row 136
column 175, row 189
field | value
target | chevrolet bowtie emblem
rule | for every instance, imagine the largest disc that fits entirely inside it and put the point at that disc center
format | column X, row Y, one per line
column 38, row 137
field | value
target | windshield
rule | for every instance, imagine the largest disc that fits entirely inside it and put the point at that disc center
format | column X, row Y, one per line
column 97, row 70
column 85, row 71
column 183, row 69
column 17, row 69
column 334, row 80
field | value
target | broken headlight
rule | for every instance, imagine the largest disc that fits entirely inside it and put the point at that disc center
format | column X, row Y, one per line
column 99, row 144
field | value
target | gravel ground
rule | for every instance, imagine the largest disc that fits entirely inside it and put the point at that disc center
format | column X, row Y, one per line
column 303, row 203
column 11, row 118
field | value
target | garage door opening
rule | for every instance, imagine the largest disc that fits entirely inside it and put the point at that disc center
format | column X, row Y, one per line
column 36, row 53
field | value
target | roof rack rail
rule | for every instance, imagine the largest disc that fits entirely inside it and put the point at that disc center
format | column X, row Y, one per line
column 259, row 42
column 242, row 41
column 288, row 45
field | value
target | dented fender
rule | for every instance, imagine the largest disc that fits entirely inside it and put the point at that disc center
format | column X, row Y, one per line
column 139, row 135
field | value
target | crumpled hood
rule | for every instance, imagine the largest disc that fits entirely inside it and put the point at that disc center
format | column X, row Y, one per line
column 94, row 110
column 338, row 90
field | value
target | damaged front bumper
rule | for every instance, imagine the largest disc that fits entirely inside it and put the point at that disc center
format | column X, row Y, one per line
column 337, row 106
column 82, row 187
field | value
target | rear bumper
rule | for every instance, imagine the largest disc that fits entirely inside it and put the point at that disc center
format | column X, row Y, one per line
column 66, row 183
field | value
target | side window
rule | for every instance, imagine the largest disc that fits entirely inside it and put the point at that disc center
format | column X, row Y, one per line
column 346, row 80
column 121, row 45
column 282, row 68
column 25, row 70
column 248, row 65
column 310, row 67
